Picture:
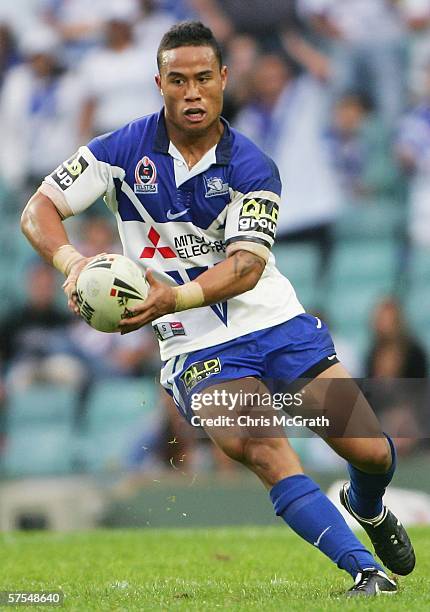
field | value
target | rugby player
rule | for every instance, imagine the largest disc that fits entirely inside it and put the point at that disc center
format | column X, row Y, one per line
column 196, row 205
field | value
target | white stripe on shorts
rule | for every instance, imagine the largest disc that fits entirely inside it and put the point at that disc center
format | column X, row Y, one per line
column 167, row 378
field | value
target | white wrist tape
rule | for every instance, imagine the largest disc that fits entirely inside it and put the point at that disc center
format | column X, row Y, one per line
column 65, row 257
column 188, row 296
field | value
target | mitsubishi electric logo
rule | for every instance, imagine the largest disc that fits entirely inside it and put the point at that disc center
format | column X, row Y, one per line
column 150, row 251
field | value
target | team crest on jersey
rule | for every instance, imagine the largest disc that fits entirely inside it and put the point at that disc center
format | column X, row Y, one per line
column 215, row 186
column 145, row 176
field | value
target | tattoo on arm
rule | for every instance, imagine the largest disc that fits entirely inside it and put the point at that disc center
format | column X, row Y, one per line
column 245, row 262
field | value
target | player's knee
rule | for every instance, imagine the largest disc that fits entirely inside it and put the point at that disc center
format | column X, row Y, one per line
column 265, row 456
column 379, row 459
column 234, row 448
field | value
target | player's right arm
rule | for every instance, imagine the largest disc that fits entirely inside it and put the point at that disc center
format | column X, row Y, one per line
column 70, row 189
column 42, row 225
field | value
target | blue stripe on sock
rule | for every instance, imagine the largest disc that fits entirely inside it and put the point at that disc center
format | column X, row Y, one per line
column 303, row 506
column 289, row 489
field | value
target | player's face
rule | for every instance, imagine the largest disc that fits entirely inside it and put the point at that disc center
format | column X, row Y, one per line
column 192, row 84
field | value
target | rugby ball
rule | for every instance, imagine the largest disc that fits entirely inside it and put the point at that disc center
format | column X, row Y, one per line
column 107, row 288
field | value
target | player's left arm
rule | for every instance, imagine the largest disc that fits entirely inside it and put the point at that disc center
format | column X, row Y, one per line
column 235, row 275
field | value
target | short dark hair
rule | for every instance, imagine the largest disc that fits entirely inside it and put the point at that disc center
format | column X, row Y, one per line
column 360, row 98
column 189, row 34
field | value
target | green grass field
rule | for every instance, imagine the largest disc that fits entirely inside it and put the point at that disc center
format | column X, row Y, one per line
column 220, row 569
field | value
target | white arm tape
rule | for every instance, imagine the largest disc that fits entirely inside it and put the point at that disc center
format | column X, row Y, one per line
column 65, row 257
column 57, row 198
column 252, row 247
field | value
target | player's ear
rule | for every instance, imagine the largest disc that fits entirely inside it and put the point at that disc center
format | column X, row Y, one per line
column 224, row 74
column 158, row 81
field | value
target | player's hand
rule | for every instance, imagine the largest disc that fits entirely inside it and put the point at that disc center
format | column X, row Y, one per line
column 161, row 300
column 69, row 284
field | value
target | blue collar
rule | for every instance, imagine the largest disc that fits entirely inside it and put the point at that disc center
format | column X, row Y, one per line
column 223, row 150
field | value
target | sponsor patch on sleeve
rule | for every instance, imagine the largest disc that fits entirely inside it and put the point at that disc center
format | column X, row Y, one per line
column 163, row 331
column 67, row 173
column 259, row 215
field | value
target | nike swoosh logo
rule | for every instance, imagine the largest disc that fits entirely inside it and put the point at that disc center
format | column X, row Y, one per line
column 332, row 357
column 317, row 543
column 319, row 323
column 172, row 216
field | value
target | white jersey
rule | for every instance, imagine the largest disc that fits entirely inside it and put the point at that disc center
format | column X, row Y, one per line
column 179, row 222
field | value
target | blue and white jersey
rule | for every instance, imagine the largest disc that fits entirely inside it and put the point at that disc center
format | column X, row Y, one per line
column 180, row 222
column 414, row 141
column 414, row 136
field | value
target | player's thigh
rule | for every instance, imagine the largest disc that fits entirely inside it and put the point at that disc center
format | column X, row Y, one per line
column 240, row 422
column 354, row 431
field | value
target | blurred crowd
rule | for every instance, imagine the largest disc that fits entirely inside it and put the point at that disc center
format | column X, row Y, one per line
column 337, row 92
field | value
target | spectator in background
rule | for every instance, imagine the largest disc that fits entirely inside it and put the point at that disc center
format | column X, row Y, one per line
column 9, row 55
column 413, row 151
column 361, row 149
column 106, row 356
column 33, row 343
column 367, row 49
column 396, row 355
column 97, row 235
column 38, row 113
column 180, row 10
column 78, row 24
column 170, row 442
column 394, row 352
column 207, row 11
column 288, row 117
column 150, row 26
column 276, row 26
column 272, row 84
column 118, row 80
column 262, row 19
column 20, row 15
column 242, row 54
column 416, row 15
column 167, row 443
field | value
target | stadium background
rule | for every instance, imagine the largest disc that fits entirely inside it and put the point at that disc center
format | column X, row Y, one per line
column 341, row 100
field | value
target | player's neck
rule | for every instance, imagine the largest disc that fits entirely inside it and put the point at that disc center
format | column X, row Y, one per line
column 194, row 147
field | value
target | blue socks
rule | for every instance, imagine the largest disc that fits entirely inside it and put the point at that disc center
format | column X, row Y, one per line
column 303, row 506
column 366, row 490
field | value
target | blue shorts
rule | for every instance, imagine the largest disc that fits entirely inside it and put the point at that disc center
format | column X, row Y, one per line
column 280, row 354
